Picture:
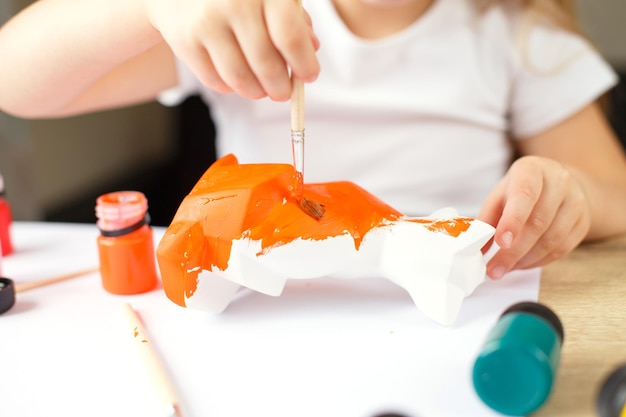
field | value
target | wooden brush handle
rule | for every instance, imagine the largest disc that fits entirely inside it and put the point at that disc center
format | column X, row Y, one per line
column 297, row 105
column 41, row 283
column 297, row 100
column 151, row 359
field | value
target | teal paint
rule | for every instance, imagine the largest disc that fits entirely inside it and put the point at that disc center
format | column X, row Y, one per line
column 517, row 364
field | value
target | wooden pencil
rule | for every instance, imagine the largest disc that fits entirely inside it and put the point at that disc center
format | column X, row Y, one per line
column 151, row 360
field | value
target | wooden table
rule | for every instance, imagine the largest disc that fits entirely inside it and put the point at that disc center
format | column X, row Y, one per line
column 587, row 289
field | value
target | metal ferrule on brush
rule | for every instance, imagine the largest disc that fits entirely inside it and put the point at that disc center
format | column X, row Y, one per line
column 297, row 150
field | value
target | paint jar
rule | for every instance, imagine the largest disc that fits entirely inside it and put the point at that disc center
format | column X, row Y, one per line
column 517, row 364
column 6, row 219
column 125, row 244
column 611, row 399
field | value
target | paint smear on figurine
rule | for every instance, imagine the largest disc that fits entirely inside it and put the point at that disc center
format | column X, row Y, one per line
column 233, row 201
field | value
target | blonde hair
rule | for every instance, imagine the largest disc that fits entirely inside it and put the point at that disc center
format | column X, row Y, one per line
column 557, row 13
column 561, row 13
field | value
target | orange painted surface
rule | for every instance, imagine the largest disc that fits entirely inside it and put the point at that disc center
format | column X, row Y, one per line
column 453, row 227
column 256, row 201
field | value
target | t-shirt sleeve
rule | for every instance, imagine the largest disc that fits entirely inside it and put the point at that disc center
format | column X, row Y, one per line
column 188, row 85
column 557, row 74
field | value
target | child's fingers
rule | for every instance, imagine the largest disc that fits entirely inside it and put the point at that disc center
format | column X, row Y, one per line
column 567, row 229
column 312, row 35
column 201, row 64
column 290, row 31
column 232, row 66
column 491, row 209
column 554, row 225
column 560, row 239
column 263, row 58
column 530, row 204
column 522, row 191
column 519, row 243
column 242, row 46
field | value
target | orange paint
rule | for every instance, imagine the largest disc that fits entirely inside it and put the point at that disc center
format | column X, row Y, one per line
column 453, row 227
column 256, row 201
column 125, row 246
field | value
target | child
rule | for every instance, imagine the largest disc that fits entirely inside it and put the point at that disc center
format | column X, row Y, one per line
column 423, row 103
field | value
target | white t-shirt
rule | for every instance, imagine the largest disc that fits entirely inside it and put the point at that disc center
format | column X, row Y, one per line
column 421, row 119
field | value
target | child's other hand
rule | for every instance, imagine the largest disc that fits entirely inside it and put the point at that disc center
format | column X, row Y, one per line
column 241, row 46
column 540, row 212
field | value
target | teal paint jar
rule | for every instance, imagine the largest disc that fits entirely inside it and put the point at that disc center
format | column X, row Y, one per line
column 517, row 364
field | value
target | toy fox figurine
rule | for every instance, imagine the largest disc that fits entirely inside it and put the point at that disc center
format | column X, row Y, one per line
column 241, row 225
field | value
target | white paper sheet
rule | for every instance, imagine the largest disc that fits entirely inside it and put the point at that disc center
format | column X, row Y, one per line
column 345, row 348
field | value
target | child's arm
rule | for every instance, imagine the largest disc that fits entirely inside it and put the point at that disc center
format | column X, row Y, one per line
column 63, row 57
column 570, row 187
column 56, row 54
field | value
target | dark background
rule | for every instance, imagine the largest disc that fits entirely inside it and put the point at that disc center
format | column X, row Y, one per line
column 165, row 186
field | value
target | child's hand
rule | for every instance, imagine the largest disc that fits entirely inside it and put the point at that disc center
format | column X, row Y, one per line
column 241, row 46
column 540, row 211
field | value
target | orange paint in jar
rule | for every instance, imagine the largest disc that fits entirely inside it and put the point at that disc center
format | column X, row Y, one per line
column 125, row 244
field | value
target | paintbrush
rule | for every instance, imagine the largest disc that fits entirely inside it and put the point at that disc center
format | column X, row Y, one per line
column 310, row 207
column 151, row 360
column 9, row 289
column 47, row 281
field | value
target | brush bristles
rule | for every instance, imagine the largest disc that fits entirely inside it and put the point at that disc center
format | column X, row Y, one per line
column 312, row 208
